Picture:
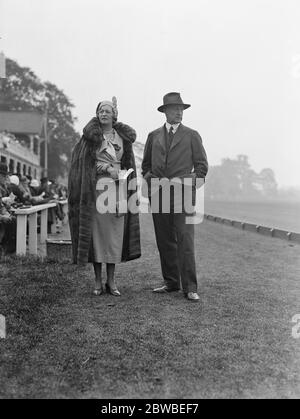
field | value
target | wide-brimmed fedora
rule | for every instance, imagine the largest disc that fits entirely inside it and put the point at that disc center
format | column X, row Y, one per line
column 172, row 98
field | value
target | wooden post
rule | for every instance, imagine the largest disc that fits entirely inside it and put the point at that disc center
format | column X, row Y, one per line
column 44, row 226
column 21, row 234
column 22, row 214
column 33, row 234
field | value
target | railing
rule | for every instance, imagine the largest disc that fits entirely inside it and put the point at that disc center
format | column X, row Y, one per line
column 30, row 214
column 267, row 231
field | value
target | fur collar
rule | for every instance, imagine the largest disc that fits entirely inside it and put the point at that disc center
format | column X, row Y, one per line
column 93, row 132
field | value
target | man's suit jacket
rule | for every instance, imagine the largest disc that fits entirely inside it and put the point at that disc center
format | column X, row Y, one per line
column 186, row 154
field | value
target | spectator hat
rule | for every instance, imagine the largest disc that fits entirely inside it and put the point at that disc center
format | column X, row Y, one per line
column 34, row 183
column 14, row 180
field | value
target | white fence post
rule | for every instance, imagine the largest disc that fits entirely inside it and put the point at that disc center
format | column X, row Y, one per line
column 33, row 234
column 22, row 214
column 2, row 327
column 21, row 234
column 44, row 226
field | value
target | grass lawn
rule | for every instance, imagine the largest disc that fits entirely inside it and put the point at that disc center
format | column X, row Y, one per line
column 63, row 342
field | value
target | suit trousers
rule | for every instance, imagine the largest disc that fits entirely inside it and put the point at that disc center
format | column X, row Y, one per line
column 175, row 242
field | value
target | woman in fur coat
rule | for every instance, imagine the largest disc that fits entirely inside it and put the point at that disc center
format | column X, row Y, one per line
column 104, row 149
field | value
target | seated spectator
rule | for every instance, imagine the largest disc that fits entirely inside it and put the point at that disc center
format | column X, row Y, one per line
column 38, row 197
column 4, row 180
column 14, row 180
column 4, row 214
column 35, row 187
column 24, row 186
column 2, row 226
column 4, row 220
column 16, row 191
column 5, row 192
column 7, row 219
column 53, row 189
column 45, row 187
column 63, row 192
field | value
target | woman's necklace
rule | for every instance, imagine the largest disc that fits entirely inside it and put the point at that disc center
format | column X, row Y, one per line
column 110, row 135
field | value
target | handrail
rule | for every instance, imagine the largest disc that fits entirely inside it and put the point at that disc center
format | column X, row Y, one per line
column 34, row 208
column 31, row 213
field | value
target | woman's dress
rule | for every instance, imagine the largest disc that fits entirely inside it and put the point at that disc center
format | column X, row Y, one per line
column 108, row 228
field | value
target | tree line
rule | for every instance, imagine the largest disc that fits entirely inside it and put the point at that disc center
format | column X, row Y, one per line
column 235, row 179
column 22, row 90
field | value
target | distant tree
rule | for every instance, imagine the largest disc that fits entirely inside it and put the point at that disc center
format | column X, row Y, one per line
column 247, row 177
column 230, row 180
column 235, row 179
column 61, row 130
column 23, row 90
column 268, row 182
column 216, row 184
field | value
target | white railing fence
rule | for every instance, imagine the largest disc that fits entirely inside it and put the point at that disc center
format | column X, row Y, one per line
column 30, row 215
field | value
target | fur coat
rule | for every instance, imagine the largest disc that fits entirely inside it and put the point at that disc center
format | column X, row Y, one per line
column 82, row 193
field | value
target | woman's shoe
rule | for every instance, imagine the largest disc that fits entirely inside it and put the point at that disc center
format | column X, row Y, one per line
column 98, row 291
column 111, row 291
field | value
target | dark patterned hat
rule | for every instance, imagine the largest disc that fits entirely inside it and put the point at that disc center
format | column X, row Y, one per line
column 172, row 98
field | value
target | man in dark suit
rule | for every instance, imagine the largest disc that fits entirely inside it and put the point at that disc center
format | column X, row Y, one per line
column 175, row 151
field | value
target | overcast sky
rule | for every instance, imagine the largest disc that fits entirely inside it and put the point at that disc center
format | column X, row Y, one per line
column 237, row 62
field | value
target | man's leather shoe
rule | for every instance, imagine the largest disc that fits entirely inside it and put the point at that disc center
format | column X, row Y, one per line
column 163, row 289
column 193, row 296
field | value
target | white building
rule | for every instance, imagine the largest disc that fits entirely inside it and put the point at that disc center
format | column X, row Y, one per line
column 22, row 142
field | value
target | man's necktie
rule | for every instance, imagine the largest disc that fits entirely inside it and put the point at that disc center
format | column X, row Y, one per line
column 171, row 136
